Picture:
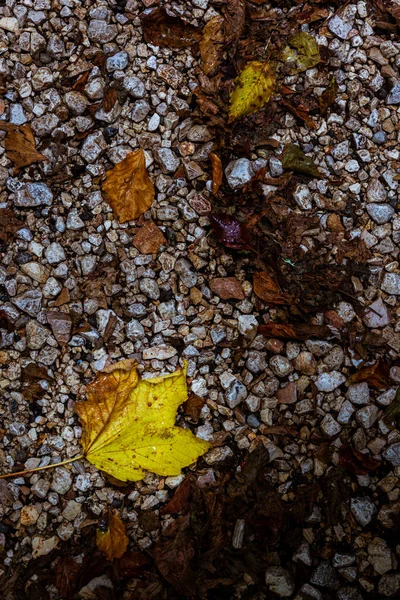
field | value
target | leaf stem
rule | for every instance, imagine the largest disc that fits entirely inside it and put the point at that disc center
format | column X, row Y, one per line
column 52, row 466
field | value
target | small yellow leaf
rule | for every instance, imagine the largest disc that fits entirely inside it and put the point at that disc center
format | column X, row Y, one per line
column 129, row 424
column 307, row 55
column 253, row 89
column 128, row 189
column 111, row 538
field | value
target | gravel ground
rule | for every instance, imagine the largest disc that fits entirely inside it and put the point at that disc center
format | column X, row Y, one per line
column 72, row 257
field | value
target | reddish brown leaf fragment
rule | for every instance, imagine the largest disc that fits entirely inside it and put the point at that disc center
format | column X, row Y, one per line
column 132, row 564
column 230, row 232
column 9, row 225
column 216, row 176
column 328, row 96
column 80, row 83
column 193, row 406
column 167, row 31
column 267, row 288
column 298, row 331
column 33, row 373
column 109, row 99
column 180, row 499
column 67, row 572
column 149, row 238
column 301, row 112
column 227, row 288
column 376, row 375
column 356, row 462
column 234, row 13
column 20, row 145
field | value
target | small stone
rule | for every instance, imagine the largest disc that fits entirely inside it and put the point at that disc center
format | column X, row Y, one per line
column 51, row 288
column 17, row 114
column 36, row 335
column 235, row 394
column 329, row 426
column 358, row 393
column 328, row 382
column 55, row 253
column 363, row 509
column 281, row 366
column 394, row 96
column 117, row 62
column 74, row 221
column 392, row 454
column 29, row 302
column 247, row 325
column 391, row 283
column 302, row 197
column 42, row 546
column 375, row 191
column 303, row 554
column 239, row 172
column 134, row 86
column 61, row 326
column 184, row 269
column 62, row 481
column 256, row 362
column 93, row 146
column 83, row 483
column 379, row 137
column 227, row 288
column 367, row 416
column 324, row 576
column 35, row 271
column 72, row 510
column 380, row 556
column 287, row 394
column 154, row 122
column 218, row 455
column 9, row 24
column 161, row 352
column 76, row 102
column 377, row 315
column 45, row 125
column 29, row 515
column 40, row 488
column 308, row 592
column 134, row 330
column 345, row 413
column 380, row 213
column 170, row 75
column 389, row 585
column 279, row 581
column 305, row 363
column 339, row 27
column 150, row 288
column 167, row 159
column 101, row 32
column 33, row 194
column 275, row 167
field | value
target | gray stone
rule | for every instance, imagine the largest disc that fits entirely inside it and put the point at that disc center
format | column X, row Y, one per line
column 40, row 488
column 117, row 62
column 186, row 274
column 247, row 325
column 303, row 554
column 29, row 302
column 17, row 114
column 358, row 393
column 308, row 592
column 375, row 191
column 61, row 481
column 379, row 137
column 367, row 416
column 36, row 335
column 275, row 167
column 345, row 413
column 140, row 110
column 392, row 454
column 235, row 394
column 239, row 172
column 33, row 194
column 280, row 365
column 377, row 314
column 324, row 576
column 302, row 197
column 256, row 362
column 391, row 283
column 160, row 352
column 363, row 510
column 101, row 32
column 55, row 253
column 341, row 150
column 167, row 160
column 339, row 27
column 72, row 510
column 349, row 593
column 327, row 382
column 380, row 213
column 279, row 581
column 93, row 146
column 389, row 584
column 45, row 125
column 76, row 102
column 329, row 426
column 380, row 556
column 134, row 86
column 150, row 288
column 134, row 330
column 74, row 221
column 394, row 96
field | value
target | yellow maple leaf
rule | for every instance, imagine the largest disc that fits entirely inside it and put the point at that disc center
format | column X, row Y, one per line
column 111, row 538
column 127, row 187
column 253, row 88
column 129, row 424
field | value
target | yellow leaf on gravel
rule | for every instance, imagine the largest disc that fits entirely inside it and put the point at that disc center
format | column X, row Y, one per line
column 307, row 55
column 128, row 189
column 253, row 89
column 129, row 424
column 111, row 538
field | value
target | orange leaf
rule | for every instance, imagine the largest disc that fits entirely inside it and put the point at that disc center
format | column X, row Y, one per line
column 149, row 238
column 111, row 538
column 128, row 189
column 376, row 375
column 266, row 288
column 216, row 176
column 20, row 145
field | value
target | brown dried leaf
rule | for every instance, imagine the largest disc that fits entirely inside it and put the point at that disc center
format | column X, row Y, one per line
column 193, row 406
column 109, row 99
column 67, row 572
column 132, row 564
column 234, row 14
column 20, row 145
column 328, row 96
column 297, row 331
column 267, row 288
column 128, row 189
column 63, row 297
column 180, row 499
column 211, row 44
column 356, row 462
column 216, row 176
column 376, row 375
column 149, row 238
column 227, row 288
column 80, row 83
column 33, row 373
column 111, row 538
column 167, row 31
column 61, row 326
column 300, row 111
column 9, row 225
column 206, row 106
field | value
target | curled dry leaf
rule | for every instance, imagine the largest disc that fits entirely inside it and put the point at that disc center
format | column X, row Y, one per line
column 167, row 31
column 149, row 238
column 267, row 288
column 211, row 44
column 307, row 55
column 328, row 96
column 297, row 331
column 294, row 159
column 216, row 175
column 20, row 145
column 376, row 375
column 230, row 232
column 253, row 88
column 128, row 189
column 111, row 538
column 9, row 225
column 129, row 424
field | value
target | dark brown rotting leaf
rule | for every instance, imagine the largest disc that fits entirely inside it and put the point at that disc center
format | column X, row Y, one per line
column 234, row 15
column 355, row 461
column 376, row 375
column 9, row 225
column 254, row 463
column 193, row 405
column 180, row 499
column 392, row 412
column 328, row 96
column 267, row 288
column 300, row 111
column 33, row 373
column 132, row 564
column 163, row 29
column 295, row 331
column 110, row 327
column 80, row 83
column 67, row 572
column 230, row 232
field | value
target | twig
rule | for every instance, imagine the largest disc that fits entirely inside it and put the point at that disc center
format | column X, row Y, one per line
column 52, row 466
